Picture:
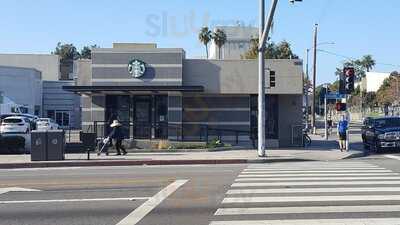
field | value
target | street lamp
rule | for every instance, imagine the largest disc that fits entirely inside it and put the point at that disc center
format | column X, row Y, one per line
column 264, row 30
column 314, row 83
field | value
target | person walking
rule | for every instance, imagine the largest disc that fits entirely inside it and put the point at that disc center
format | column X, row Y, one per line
column 118, row 136
column 342, row 132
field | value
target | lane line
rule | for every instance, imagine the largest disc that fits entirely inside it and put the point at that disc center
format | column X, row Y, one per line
column 74, row 200
column 312, row 199
column 16, row 189
column 357, row 221
column 307, row 209
column 315, row 171
column 140, row 212
column 320, row 175
column 309, row 167
column 393, row 157
column 312, row 190
column 327, row 183
column 317, row 178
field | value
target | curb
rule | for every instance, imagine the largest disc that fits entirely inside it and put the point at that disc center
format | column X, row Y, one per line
column 357, row 154
column 142, row 163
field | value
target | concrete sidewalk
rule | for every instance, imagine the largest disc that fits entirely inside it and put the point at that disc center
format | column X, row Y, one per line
column 182, row 158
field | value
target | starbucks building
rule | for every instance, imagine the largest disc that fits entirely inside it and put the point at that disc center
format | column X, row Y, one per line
column 157, row 93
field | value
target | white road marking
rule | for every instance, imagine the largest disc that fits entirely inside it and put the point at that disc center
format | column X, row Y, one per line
column 42, row 169
column 315, row 171
column 393, row 157
column 312, row 198
column 74, row 200
column 307, row 209
column 312, row 190
column 15, row 189
column 312, row 169
column 357, row 221
column 317, row 178
column 140, row 212
column 313, row 183
column 321, row 175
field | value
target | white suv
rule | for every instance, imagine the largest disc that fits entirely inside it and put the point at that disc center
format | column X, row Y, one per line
column 15, row 125
column 46, row 124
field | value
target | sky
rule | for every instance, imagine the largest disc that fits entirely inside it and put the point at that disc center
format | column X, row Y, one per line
column 357, row 27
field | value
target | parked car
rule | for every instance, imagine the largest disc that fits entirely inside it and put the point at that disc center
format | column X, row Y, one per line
column 15, row 125
column 46, row 124
column 381, row 133
column 32, row 118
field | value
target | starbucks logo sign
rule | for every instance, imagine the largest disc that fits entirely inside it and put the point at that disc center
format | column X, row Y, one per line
column 136, row 68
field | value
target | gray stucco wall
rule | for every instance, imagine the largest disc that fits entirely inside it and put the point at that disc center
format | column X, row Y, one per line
column 55, row 98
column 83, row 72
column 290, row 114
column 48, row 65
column 163, row 66
column 241, row 76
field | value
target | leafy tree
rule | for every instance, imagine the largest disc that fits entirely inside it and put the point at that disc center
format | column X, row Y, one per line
column 272, row 51
column 219, row 37
column 67, row 52
column 205, row 36
column 86, row 52
column 389, row 92
column 367, row 62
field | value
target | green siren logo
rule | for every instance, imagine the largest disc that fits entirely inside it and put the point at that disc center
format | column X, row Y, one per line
column 136, row 68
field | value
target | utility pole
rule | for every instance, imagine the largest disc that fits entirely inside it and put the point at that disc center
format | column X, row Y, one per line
column 326, row 112
column 306, row 88
column 314, row 78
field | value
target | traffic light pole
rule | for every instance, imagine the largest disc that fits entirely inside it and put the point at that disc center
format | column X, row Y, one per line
column 263, row 34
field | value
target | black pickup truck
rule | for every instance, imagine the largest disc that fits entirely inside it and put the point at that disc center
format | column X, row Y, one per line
column 381, row 133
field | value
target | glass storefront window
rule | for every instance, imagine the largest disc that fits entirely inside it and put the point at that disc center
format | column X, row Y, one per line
column 271, row 117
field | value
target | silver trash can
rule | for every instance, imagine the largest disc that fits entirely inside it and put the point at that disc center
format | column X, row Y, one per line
column 38, row 145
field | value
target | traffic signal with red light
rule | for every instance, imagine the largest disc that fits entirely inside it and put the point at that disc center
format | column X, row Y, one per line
column 347, row 79
column 340, row 107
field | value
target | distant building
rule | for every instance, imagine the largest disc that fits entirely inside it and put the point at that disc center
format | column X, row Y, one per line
column 23, row 86
column 35, row 82
column 60, row 105
column 47, row 64
column 373, row 81
column 237, row 44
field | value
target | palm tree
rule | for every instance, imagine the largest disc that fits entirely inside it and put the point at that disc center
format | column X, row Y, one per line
column 219, row 37
column 368, row 62
column 205, row 37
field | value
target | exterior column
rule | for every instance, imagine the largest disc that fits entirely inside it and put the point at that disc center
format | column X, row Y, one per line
column 175, row 105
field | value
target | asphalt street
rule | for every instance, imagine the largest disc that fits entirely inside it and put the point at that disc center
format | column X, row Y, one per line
column 340, row 192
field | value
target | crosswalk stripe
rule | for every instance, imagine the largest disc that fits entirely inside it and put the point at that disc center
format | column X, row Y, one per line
column 313, row 183
column 312, row 199
column 357, row 221
column 320, row 175
column 312, row 190
column 314, row 171
column 307, row 209
column 317, row 178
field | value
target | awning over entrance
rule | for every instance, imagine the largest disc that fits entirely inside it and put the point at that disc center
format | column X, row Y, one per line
column 130, row 89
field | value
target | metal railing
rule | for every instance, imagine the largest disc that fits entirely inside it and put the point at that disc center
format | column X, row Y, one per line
column 174, row 132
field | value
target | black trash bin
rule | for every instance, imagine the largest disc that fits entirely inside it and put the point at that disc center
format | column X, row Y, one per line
column 88, row 141
column 38, row 145
column 55, row 145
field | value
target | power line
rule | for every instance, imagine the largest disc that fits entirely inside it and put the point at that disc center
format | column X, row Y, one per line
column 352, row 58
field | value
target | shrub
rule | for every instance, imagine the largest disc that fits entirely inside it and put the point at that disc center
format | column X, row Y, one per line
column 163, row 144
column 215, row 143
